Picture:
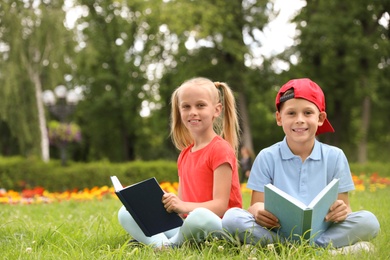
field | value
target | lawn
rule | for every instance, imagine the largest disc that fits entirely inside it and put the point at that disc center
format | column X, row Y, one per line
column 73, row 229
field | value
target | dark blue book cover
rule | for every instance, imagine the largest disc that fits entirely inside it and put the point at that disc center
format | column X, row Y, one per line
column 143, row 201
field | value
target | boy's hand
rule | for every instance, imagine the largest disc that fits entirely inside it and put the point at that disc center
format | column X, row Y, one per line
column 337, row 212
column 266, row 219
column 262, row 217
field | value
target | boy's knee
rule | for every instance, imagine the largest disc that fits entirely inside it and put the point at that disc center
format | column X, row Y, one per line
column 232, row 219
column 231, row 215
column 370, row 222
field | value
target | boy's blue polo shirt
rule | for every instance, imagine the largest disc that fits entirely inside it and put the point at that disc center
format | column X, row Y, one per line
column 303, row 180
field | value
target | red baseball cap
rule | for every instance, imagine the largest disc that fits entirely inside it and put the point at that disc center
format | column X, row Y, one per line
column 309, row 90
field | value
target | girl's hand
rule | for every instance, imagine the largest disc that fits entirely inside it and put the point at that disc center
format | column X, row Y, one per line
column 337, row 212
column 172, row 203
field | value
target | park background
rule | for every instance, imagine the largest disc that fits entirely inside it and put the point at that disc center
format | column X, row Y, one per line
column 123, row 59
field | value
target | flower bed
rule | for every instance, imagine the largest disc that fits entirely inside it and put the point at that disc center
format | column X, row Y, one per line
column 39, row 195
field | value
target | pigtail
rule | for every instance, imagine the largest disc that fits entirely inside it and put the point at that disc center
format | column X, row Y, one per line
column 229, row 128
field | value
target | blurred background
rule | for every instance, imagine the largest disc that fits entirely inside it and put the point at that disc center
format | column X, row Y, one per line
column 90, row 80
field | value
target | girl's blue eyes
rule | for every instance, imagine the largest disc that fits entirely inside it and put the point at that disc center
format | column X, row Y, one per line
column 199, row 105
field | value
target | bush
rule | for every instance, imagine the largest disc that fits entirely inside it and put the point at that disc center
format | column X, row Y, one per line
column 383, row 169
column 17, row 173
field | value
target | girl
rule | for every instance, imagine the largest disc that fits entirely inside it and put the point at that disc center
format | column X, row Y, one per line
column 204, row 127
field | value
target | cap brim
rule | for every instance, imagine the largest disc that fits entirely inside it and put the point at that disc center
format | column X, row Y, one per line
column 325, row 128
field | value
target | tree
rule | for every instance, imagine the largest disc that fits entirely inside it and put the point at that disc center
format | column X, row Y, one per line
column 112, row 65
column 214, row 39
column 35, row 46
column 342, row 55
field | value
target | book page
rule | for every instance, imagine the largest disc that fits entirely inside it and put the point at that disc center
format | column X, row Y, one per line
column 294, row 218
column 117, row 184
column 323, row 192
column 287, row 196
column 321, row 205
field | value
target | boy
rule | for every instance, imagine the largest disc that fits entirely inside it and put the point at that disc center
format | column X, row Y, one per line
column 302, row 166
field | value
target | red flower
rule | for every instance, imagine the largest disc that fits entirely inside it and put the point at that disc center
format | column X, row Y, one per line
column 27, row 193
column 39, row 191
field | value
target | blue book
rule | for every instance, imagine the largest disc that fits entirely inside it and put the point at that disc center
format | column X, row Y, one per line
column 143, row 201
column 297, row 220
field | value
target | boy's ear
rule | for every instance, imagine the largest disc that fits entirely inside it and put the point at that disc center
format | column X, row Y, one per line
column 278, row 118
column 321, row 118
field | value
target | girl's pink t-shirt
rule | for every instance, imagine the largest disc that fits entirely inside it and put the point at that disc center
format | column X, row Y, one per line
column 196, row 172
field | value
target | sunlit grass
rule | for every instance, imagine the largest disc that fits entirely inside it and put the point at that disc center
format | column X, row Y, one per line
column 82, row 224
column 74, row 229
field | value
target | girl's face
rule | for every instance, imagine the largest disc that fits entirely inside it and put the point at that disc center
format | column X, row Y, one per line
column 198, row 108
column 300, row 119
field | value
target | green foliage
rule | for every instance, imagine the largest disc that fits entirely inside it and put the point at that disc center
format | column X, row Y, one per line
column 210, row 40
column 112, row 66
column 18, row 173
column 382, row 169
column 131, row 54
column 35, row 49
column 346, row 56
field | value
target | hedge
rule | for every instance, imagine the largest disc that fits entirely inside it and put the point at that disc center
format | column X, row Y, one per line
column 17, row 173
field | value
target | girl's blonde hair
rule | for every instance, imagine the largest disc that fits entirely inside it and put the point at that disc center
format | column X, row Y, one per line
column 226, row 125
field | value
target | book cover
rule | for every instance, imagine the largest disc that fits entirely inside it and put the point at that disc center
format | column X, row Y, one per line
column 143, row 201
column 296, row 219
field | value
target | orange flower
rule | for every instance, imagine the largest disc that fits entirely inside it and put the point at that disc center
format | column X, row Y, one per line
column 38, row 195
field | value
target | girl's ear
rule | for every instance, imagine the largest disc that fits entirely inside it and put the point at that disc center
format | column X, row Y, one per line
column 278, row 118
column 321, row 118
column 218, row 110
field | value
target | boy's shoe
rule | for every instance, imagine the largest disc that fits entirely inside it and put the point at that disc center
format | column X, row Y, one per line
column 359, row 247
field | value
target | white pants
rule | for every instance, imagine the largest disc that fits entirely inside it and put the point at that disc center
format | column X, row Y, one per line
column 198, row 224
column 359, row 226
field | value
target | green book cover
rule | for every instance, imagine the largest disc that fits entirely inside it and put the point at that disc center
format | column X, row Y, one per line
column 296, row 219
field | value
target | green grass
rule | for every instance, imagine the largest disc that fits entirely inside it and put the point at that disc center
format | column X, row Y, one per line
column 90, row 230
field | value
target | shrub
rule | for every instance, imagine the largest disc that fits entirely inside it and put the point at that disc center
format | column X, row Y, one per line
column 17, row 173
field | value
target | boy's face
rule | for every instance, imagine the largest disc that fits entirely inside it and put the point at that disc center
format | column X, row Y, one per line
column 300, row 119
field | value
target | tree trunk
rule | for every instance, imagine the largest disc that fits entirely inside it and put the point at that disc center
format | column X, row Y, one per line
column 35, row 79
column 41, row 115
column 362, row 146
column 246, row 136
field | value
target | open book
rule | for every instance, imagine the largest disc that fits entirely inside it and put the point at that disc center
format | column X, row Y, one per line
column 143, row 201
column 296, row 219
